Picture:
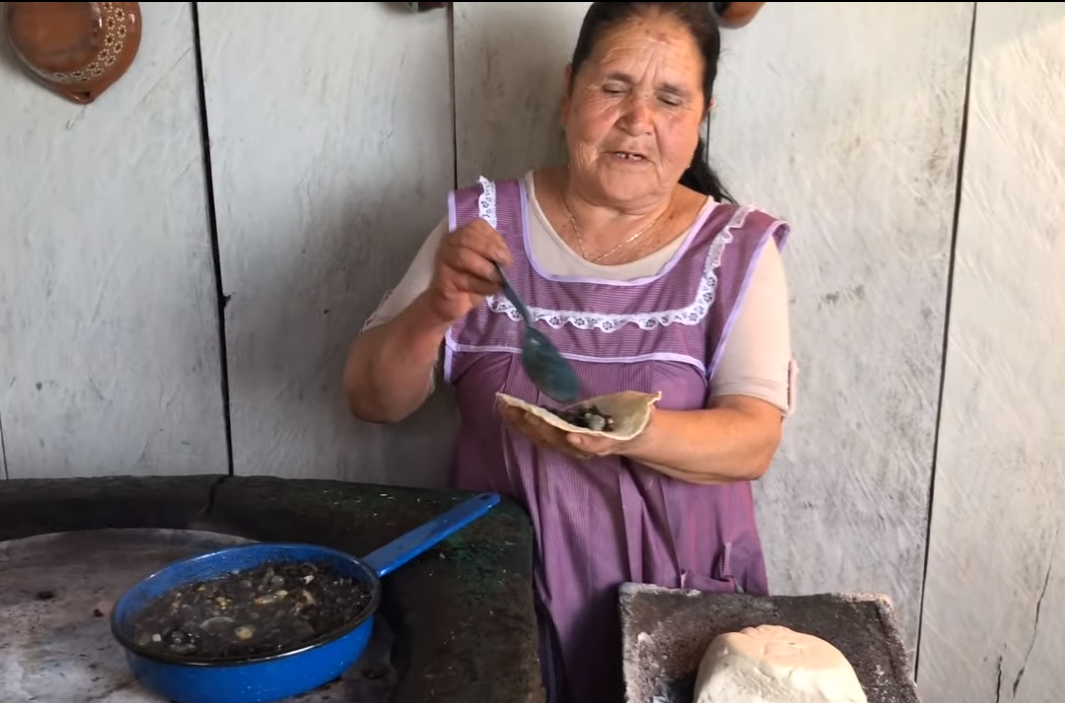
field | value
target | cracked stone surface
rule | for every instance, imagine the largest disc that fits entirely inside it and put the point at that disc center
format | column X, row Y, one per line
column 666, row 632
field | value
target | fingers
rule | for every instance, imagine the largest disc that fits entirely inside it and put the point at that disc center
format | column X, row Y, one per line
column 579, row 446
column 476, row 247
column 511, row 415
column 542, row 433
column 483, row 239
column 473, row 270
column 468, row 257
column 477, row 286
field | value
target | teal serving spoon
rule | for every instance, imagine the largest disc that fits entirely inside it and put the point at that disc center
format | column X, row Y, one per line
column 545, row 366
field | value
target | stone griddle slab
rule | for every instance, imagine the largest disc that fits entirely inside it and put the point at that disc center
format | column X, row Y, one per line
column 465, row 628
column 56, row 595
column 666, row 631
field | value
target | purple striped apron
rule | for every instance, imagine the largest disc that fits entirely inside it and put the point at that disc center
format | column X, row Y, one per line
column 605, row 521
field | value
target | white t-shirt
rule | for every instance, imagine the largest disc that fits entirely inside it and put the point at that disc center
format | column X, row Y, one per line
column 757, row 360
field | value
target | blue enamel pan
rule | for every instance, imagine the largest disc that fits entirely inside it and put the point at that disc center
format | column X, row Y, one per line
column 277, row 675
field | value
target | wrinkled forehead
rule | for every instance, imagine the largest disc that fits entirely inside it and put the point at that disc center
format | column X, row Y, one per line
column 655, row 30
column 658, row 39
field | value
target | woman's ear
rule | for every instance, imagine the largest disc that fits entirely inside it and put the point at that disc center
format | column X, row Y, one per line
column 567, row 77
column 709, row 110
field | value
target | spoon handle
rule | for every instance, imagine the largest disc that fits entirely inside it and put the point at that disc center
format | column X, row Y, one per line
column 512, row 296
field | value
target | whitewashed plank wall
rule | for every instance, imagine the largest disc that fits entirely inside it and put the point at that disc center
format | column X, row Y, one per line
column 837, row 119
column 509, row 64
column 994, row 616
column 331, row 149
column 333, row 145
column 109, row 351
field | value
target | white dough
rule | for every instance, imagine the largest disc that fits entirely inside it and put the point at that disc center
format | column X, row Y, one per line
column 773, row 664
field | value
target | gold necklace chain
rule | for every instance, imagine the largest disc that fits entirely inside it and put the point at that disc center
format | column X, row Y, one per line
column 580, row 242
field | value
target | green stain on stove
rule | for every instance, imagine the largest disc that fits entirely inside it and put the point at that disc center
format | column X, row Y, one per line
column 483, row 558
column 470, row 596
column 479, row 561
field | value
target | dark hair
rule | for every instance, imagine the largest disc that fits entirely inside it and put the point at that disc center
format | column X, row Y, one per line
column 699, row 20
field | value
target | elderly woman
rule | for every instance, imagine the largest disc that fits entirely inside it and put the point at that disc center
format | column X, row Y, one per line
column 647, row 277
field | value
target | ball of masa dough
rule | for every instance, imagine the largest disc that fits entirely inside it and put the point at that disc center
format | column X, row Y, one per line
column 774, row 664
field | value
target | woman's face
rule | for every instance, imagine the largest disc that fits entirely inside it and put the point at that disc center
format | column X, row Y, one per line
column 633, row 116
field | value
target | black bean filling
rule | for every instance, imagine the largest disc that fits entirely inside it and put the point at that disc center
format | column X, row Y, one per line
column 271, row 608
column 587, row 416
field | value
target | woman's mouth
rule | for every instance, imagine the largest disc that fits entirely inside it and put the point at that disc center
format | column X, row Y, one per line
column 628, row 156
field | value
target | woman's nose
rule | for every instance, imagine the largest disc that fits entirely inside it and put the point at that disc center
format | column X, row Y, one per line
column 638, row 114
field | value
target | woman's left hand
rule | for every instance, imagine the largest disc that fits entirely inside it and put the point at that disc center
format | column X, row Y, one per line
column 581, row 446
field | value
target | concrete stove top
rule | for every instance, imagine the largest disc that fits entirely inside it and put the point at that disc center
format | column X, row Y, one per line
column 461, row 616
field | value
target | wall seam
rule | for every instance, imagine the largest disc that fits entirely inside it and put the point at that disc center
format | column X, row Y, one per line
column 212, row 223
column 706, row 141
column 951, row 264
column 454, row 96
column 3, row 450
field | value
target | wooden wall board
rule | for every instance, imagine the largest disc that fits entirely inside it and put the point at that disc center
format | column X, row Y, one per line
column 331, row 156
column 510, row 60
column 994, row 610
column 845, row 119
column 109, row 349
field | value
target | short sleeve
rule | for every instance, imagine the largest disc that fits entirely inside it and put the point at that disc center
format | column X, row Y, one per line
column 414, row 282
column 757, row 359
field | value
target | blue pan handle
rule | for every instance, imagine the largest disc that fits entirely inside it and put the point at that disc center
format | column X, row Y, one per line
column 401, row 550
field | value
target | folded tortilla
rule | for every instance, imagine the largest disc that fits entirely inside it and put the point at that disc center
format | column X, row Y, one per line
column 630, row 410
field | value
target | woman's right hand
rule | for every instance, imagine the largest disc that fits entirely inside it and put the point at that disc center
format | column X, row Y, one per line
column 464, row 272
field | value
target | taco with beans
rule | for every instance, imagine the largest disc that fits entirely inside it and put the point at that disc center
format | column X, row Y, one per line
column 621, row 416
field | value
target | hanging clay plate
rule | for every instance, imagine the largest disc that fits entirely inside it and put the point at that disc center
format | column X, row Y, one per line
column 733, row 15
column 621, row 416
column 75, row 49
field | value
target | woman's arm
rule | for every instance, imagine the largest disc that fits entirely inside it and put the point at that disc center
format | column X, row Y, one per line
column 389, row 369
column 733, row 440
column 390, row 366
column 737, row 435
